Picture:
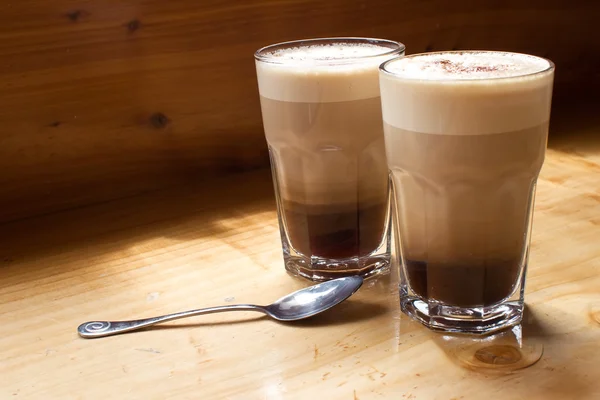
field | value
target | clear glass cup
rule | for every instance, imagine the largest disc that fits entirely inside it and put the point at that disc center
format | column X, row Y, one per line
column 321, row 113
column 465, row 141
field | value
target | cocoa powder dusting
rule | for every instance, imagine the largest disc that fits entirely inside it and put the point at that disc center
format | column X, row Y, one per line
column 461, row 68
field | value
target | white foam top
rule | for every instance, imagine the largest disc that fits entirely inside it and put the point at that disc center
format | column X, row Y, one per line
column 326, row 53
column 467, row 65
column 466, row 93
column 322, row 73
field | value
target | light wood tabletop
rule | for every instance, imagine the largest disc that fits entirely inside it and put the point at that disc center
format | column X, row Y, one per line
column 218, row 243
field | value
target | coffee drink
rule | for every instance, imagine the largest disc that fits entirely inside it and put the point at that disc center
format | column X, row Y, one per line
column 322, row 119
column 465, row 135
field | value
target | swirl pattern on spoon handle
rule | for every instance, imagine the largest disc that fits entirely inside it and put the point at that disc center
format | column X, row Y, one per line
column 95, row 327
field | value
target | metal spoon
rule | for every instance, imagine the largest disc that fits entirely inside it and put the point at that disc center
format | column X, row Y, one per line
column 301, row 304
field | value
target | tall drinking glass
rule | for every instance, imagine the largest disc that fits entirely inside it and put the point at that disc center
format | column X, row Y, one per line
column 321, row 112
column 465, row 136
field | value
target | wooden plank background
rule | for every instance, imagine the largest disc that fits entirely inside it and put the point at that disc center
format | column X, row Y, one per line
column 102, row 99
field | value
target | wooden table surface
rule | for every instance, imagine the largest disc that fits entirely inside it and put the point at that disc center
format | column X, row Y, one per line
column 218, row 243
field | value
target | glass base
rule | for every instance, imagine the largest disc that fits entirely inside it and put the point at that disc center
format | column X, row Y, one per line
column 476, row 320
column 324, row 269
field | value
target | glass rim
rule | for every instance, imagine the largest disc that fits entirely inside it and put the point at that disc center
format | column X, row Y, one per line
column 395, row 48
column 550, row 67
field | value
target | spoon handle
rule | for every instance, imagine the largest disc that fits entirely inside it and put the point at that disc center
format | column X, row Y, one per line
column 96, row 329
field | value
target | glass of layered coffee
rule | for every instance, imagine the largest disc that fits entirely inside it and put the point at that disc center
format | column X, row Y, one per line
column 465, row 136
column 321, row 113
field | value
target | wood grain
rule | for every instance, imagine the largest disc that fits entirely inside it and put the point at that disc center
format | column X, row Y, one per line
column 105, row 99
column 205, row 245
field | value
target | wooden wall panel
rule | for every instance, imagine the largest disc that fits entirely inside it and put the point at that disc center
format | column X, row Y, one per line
column 101, row 99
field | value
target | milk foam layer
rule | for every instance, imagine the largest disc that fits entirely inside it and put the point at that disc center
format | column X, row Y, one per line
column 316, row 54
column 467, row 65
column 322, row 73
column 466, row 93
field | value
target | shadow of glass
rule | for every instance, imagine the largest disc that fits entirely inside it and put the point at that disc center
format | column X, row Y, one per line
column 545, row 349
column 595, row 312
column 515, row 348
column 535, row 326
column 502, row 352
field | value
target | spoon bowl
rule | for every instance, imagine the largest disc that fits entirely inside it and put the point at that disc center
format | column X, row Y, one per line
column 313, row 300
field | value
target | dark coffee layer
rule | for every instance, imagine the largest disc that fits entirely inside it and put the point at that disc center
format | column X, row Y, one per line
column 463, row 285
column 335, row 231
